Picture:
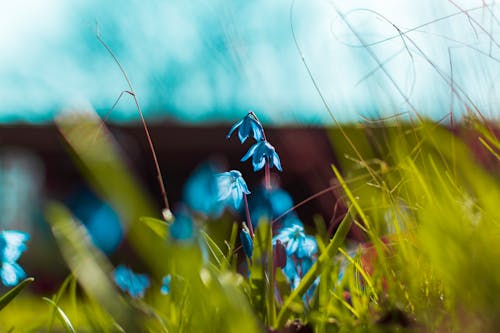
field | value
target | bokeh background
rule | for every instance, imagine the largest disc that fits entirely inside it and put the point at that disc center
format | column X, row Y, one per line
column 197, row 67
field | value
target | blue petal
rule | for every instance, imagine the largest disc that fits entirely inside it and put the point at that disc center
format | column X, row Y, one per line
column 183, row 228
column 280, row 201
column 224, row 182
column 244, row 130
column 11, row 274
column 128, row 281
column 237, row 197
column 246, row 242
column 13, row 246
column 292, row 246
column 235, row 126
column 258, row 162
column 276, row 161
column 201, row 191
column 242, row 185
column 290, row 270
column 308, row 247
column 165, row 284
column 258, row 133
column 250, row 152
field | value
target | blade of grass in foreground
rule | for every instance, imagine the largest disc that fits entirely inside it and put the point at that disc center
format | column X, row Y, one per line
column 315, row 270
column 61, row 315
column 89, row 265
column 11, row 294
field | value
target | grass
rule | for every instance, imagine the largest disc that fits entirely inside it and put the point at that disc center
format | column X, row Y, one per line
column 428, row 211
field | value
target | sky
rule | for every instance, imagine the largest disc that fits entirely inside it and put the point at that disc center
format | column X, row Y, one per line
column 296, row 62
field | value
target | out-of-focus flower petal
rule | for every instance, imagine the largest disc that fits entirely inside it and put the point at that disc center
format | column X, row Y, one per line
column 165, row 284
column 132, row 283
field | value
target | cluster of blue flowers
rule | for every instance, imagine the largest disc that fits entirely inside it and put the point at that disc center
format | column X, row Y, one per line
column 301, row 252
column 262, row 152
column 209, row 191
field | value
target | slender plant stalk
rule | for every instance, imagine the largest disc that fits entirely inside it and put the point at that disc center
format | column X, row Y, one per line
column 167, row 214
column 247, row 212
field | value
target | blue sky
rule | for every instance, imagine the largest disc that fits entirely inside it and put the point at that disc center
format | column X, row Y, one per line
column 206, row 61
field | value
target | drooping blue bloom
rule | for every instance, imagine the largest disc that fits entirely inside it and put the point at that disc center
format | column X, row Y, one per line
column 247, row 126
column 201, row 191
column 263, row 152
column 246, row 241
column 165, row 284
column 132, row 283
column 12, row 245
column 182, row 229
column 297, row 242
column 231, row 185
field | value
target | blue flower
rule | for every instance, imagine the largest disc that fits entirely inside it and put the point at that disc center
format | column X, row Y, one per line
column 297, row 242
column 12, row 245
column 295, row 270
column 231, row 185
column 246, row 127
column 201, row 191
column 128, row 281
column 263, row 152
column 246, row 241
column 182, row 229
column 165, row 284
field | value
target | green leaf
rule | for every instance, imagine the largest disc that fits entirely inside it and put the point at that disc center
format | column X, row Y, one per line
column 159, row 227
column 11, row 294
column 61, row 315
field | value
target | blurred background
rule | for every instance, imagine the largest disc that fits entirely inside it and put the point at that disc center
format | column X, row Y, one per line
column 199, row 66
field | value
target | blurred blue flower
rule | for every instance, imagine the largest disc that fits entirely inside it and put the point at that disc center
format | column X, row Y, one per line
column 201, row 191
column 297, row 242
column 231, row 185
column 263, row 152
column 295, row 270
column 132, row 283
column 290, row 220
column 246, row 241
column 280, row 201
column 165, row 284
column 247, row 126
column 101, row 220
column 12, row 245
column 182, row 229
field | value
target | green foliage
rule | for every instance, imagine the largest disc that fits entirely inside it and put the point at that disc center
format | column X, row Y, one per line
column 11, row 294
column 428, row 212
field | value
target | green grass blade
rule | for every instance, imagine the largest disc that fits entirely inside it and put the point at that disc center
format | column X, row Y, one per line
column 61, row 315
column 214, row 249
column 56, row 298
column 11, row 294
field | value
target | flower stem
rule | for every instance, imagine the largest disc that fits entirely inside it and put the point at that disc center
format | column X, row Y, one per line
column 267, row 176
column 247, row 212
